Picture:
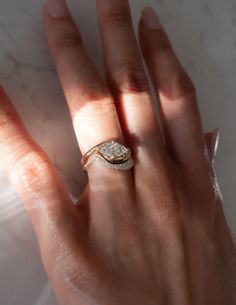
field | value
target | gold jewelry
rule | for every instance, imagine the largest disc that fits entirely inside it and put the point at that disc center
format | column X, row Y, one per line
column 110, row 154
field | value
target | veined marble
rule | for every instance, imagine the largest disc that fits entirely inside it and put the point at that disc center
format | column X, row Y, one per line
column 204, row 36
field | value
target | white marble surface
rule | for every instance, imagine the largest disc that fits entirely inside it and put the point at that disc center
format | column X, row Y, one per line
column 204, row 36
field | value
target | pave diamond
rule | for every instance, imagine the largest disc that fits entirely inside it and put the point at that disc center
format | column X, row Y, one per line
column 114, row 152
column 118, row 166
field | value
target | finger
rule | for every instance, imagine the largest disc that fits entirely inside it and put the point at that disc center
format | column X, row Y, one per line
column 212, row 143
column 91, row 105
column 178, row 108
column 53, row 216
column 126, row 77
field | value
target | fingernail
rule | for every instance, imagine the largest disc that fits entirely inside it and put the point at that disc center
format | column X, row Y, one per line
column 150, row 18
column 57, row 8
column 214, row 143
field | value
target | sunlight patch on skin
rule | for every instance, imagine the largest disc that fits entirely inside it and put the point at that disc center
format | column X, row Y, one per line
column 135, row 105
column 10, row 204
column 10, row 212
column 95, row 122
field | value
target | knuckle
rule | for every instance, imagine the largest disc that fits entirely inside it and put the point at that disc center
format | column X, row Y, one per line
column 7, row 119
column 69, row 40
column 161, row 42
column 101, row 108
column 182, row 90
column 32, row 170
column 130, row 79
column 185, row 85
column 94, row 93
column 116, row 16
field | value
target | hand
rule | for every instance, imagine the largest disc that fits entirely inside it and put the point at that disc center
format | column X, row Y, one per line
column 152, row 235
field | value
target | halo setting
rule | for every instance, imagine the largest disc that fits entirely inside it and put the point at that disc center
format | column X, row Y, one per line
column 110, row 154
column 114, row 152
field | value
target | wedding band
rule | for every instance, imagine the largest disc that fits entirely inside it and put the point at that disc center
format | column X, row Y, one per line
column 110, row 154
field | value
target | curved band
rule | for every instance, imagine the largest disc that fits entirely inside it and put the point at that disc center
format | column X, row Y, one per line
column 110, row 154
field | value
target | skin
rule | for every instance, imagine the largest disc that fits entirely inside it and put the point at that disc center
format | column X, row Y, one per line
column 156, row 234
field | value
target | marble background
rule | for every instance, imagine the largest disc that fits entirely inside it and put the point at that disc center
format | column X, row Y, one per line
column 204, row 36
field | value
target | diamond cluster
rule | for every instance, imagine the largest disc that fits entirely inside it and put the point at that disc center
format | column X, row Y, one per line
column 114, row 152
column 110, row 154
column 120, row 166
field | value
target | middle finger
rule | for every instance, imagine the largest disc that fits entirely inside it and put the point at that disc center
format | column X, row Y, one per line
column 127, row 80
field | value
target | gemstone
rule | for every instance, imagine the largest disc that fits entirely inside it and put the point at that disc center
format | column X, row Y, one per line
column 114, row 152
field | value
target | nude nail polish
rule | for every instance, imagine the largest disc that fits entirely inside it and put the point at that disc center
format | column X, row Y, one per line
column 150, row 18
column 57, row 8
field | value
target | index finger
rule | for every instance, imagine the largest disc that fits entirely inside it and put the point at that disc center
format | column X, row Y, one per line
column 55, row 219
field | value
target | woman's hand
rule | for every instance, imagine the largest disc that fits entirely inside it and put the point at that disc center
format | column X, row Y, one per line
column 152, row 235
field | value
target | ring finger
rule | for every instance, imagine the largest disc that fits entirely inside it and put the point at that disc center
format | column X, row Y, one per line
column 91, row 107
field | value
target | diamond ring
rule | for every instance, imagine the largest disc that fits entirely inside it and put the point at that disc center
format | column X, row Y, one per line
column 110, row 154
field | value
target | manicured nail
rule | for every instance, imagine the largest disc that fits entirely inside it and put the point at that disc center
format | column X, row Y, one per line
column 150, row 18
column 57, row 8
column 212, row 143
column 215, row 142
